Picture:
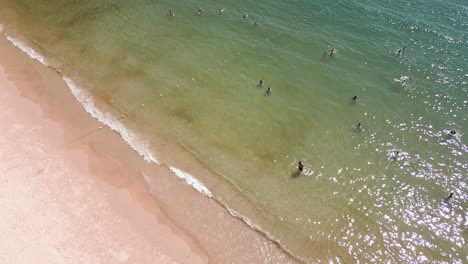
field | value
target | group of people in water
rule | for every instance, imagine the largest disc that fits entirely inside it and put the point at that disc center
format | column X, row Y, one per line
column 220, row 11
column 260, row 84
column 330, row 53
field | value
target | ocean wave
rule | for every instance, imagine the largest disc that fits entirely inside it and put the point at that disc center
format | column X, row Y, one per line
column 86, row 100
column 26, row 49
column 190, row 180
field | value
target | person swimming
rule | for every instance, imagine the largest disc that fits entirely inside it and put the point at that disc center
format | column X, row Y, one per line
column 245, row 15
column 256, row 23
column 268, row 91
column 355, row 98
column 260, row 83
column 451, row 134
column 171, row 13
column 332, row 51
column 401, row 51
column 450, row 196
column 359, row 127
column 300, row 166
column 395, row 157
column 221, row 10
column 200, row 10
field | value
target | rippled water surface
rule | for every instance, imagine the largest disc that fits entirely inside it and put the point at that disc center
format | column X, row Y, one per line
column 197, row 74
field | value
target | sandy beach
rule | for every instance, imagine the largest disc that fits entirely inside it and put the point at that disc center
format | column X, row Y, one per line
column 72, row 191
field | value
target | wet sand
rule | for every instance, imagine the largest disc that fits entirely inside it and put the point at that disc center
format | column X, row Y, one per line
column 73, row 192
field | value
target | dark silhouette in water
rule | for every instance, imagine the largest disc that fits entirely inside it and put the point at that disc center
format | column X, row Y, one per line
column 451, row 134
column 300, row 166
column 401, row 51
column 260, row 83
column 359, row 127
column 449, row 197
column 355, row 98
column 396, row 155
column 268, row 91
column 171, row 13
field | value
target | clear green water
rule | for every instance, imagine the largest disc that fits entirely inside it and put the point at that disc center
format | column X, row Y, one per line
column 197, row 75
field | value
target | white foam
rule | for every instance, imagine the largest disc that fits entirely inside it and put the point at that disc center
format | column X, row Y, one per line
column 86, row 100
column 26, row 49
column 88, row 104
column 196, row 184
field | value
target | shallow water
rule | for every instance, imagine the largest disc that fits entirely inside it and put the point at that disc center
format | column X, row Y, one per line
column 197, row 76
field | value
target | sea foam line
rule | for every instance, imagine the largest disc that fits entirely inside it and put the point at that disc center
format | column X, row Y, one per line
column 190, row 180
column 26, row 49
column 86, row 100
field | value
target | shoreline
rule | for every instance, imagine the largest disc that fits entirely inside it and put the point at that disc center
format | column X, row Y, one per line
column 212, row 235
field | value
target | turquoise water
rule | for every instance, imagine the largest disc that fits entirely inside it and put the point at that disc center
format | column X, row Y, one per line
column 197, row 75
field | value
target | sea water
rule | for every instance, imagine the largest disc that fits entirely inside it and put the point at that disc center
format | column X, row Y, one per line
column 192, row 79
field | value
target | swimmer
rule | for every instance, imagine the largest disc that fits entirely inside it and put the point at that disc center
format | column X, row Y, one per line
column 245, row 15
column 451, row 134
column 401, row 51
column 359, row 127
column 403, row 82
column 396, row 155
column 332, row 51
column 256, row 23
column 355, row 98
column 450, row 196
column 300, row 166
column 221, row 10
column 171, row 13
column 268, row 91
column 260, row 83
column 200, row 10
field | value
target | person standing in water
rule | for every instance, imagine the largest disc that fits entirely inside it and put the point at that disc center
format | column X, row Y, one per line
column 300, row 166
column 268, row 91
column 171, row 13
column 355, row 98
column 260, row 83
